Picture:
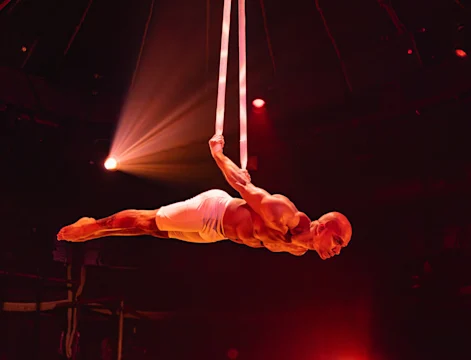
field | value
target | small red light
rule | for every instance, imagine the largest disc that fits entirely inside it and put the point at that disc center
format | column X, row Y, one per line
column 460, row 53
column 258, row 103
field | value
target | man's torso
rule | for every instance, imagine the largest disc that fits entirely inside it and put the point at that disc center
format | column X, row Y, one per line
column 243, row 225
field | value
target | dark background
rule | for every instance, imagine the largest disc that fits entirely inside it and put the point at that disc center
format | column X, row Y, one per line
column 392, row 154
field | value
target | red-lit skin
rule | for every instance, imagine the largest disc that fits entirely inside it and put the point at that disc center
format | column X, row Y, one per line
column 257, row 220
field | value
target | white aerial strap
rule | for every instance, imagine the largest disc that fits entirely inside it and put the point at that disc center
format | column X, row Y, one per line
column 226, row 22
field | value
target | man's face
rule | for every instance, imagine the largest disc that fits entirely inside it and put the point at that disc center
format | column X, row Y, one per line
column 329, row 239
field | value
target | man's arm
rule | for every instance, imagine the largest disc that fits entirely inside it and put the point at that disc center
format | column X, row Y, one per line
column 277, row 210
column 235, row 176
column 289, row 248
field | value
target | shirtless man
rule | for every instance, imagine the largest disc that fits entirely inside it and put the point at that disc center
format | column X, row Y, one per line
column 257, row 220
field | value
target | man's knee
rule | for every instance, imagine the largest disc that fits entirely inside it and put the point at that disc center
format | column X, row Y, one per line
column 146, row 221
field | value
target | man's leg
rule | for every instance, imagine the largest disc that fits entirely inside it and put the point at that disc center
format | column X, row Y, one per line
column 182, row 220
column 124, row 223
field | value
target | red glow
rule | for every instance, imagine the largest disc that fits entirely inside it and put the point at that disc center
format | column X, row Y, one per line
column 232, row 354
column 460, row 53
column 409, row 51
column 258, row 103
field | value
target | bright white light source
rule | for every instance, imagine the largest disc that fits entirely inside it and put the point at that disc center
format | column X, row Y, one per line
column 111, row 163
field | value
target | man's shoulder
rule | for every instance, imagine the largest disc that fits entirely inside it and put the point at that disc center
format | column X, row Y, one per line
column 281, row 197
column 283, row 205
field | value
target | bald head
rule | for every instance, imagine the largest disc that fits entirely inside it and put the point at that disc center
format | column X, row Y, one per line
column 332, row 232
column 338, row 222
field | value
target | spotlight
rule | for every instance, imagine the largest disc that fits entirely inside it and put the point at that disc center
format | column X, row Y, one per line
column 258, row 103
column 461, row 53
column 111, row 164
column 24, row 48
column 410, row 51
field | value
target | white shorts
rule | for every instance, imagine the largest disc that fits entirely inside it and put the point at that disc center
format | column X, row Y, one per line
column 198, row 219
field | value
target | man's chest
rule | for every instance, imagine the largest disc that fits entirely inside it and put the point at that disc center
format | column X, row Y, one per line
column 257, row 231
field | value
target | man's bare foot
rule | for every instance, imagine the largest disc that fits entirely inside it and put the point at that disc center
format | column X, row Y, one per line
column 78, row 231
